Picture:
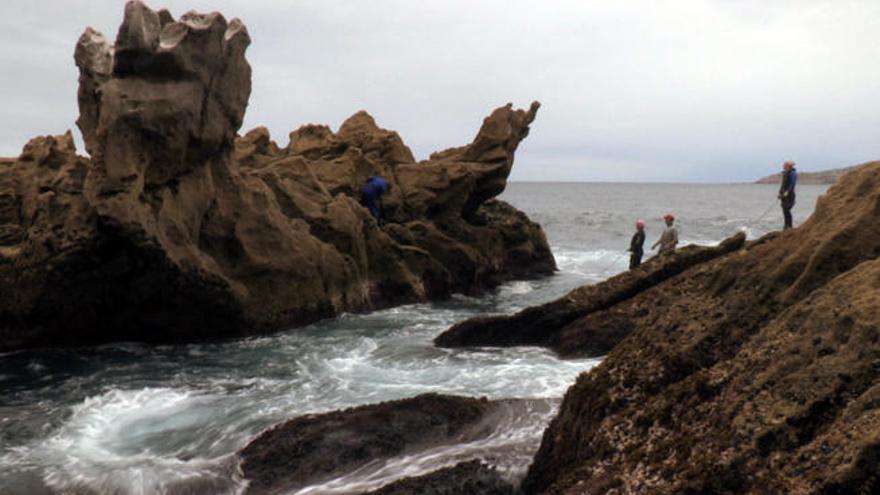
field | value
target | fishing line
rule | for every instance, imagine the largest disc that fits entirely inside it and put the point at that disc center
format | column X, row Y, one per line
column 753, row 222
column 613, row 262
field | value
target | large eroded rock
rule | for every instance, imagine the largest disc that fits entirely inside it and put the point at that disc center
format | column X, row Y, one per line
column 177, row 229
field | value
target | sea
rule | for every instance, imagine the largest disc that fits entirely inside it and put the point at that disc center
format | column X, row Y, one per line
column 129, row 418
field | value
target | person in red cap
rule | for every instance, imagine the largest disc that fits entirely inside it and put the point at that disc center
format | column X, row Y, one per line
column 636, row 245
column 669, row 239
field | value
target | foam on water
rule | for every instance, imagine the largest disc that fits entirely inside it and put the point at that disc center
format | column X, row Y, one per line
column 129, row 441
column 180, row 436
column 206, row 401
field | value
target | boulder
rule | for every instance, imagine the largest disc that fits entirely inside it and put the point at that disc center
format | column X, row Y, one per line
column 755, row 372
column 178, row 229
column 315, row 448
column 323, row 450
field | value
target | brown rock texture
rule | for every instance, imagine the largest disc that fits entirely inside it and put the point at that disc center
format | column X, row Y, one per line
column 466, row 478
column 314, row 448
column 177, row 229
column 756, row 372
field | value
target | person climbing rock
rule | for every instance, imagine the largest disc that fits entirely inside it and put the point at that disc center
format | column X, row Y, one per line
column 786, row 191
column 371, row 196
column 636, row 245
column 669, row 238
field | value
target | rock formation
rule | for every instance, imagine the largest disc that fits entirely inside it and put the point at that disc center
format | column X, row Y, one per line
column 178, row 229
column 581, row 322
column 315, row 448
column 755, row 372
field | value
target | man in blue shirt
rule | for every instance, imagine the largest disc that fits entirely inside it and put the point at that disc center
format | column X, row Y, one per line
column 371, row 195
column 786, row 191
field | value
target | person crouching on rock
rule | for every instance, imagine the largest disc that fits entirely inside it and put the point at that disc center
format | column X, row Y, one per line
column 786, row 191
column 669, row 238
column 636, row 245
column 371, row 196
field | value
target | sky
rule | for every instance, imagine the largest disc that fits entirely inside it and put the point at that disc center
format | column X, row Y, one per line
column 631, row 91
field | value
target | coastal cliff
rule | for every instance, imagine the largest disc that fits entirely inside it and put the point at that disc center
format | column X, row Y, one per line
column 757, row 371
column 177, row 229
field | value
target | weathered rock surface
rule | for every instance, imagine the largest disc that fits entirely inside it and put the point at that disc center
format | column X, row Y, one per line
column 581, row 322
column 756, row 372
column 176, row 229
column 466, row 478
column 314, row 448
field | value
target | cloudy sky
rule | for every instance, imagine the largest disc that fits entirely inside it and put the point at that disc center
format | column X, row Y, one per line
column 673, row 91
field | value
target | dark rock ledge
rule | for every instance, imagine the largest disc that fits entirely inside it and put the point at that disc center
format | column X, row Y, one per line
column 311, row 449
column 583, row 321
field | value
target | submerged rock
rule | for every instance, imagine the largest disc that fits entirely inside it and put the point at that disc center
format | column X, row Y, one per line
column 466, row 478
column 176, row 229
column 316, row 448
column 756, row 372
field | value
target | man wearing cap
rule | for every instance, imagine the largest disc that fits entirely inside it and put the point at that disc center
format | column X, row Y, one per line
column 636, row 245
column 786, row 191
column 669, row 239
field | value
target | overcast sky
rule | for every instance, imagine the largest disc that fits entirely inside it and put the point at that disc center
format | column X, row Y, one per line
column 674, row 91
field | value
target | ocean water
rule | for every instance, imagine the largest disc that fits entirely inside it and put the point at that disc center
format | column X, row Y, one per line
column 134, row 419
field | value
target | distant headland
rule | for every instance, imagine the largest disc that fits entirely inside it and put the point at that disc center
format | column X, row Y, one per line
column 821, row 177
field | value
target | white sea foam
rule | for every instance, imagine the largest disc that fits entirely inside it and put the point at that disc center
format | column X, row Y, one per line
column 179, row 439
column 129, row 442
column 590, row 265
column 517, row 288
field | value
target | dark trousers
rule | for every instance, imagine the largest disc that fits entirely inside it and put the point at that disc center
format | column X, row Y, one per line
column 787, row 205
column 635, row 259
column 370, row 203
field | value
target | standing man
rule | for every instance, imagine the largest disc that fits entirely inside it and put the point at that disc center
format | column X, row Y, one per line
column 786, row 191
column 636, row 245
column 669, row 238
